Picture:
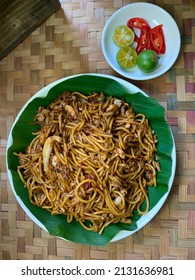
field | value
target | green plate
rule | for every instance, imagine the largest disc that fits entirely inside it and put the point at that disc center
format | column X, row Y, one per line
column 21, row 135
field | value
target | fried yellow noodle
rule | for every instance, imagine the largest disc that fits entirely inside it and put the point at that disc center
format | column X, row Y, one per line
column 92, row 159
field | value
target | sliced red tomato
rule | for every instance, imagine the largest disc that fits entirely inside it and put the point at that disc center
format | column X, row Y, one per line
column 144, row 40
column 137, row 23
column 157, row 39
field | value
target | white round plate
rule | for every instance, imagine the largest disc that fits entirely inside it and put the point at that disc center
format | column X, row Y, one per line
column 154, row 15
column 131, row 89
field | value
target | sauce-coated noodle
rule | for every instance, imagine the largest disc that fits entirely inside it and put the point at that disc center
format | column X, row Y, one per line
column 92, row 159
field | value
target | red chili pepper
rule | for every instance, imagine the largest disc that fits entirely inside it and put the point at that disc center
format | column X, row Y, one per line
column 157, row 39
column 137, row 23
column 150, row 38
column 144, row 40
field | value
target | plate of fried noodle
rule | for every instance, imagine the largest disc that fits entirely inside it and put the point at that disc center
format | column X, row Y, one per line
column 91, row 158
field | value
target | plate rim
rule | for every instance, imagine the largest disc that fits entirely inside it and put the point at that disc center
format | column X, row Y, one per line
column 145, row 76
column 129, row 87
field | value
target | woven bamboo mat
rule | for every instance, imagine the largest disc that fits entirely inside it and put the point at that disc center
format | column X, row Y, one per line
column 69, row 42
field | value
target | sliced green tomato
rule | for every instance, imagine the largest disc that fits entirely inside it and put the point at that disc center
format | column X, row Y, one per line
column 123, row 36
column 126, row 57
